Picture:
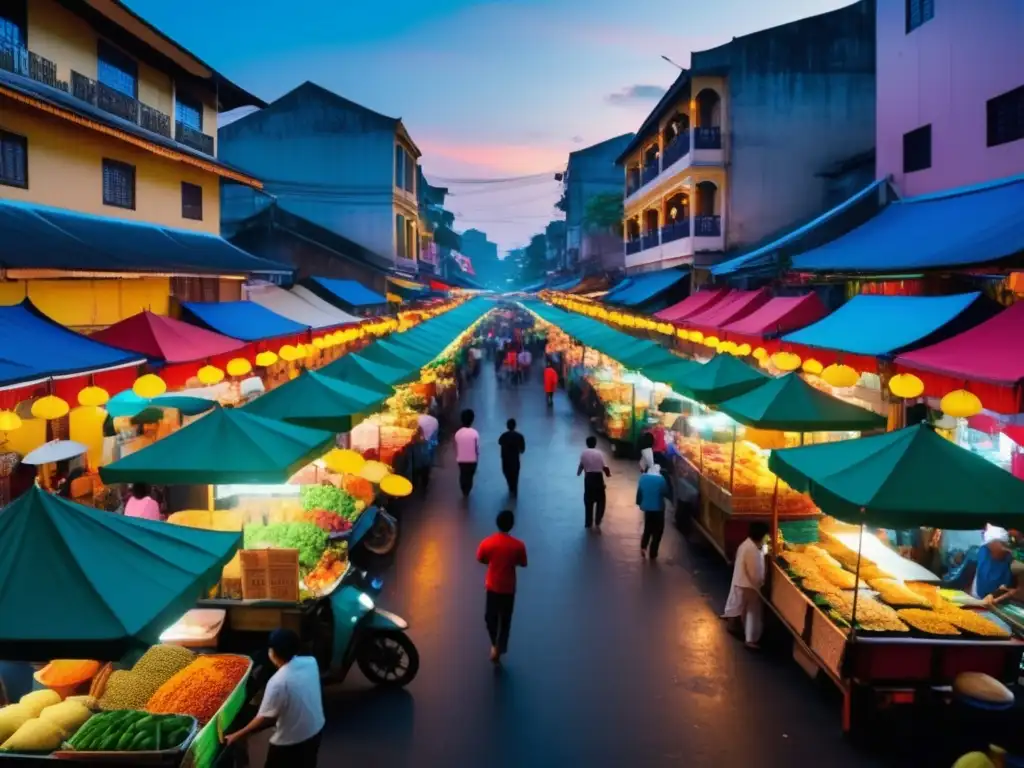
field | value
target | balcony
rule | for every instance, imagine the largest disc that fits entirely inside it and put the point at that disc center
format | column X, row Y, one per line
column 632, row 182
column 633, row 246
column 649, row 173
column 676, row 230
column 679, row 147
column 649, row 240
column 707, row 138
column 23, row 62
column 190, row 137
column 707, row 226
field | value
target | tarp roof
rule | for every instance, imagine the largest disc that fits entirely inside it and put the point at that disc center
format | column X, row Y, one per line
column 295, row 308
column 780, row 315
column 318, row 401
column 112, row 584
column 36, row 348
column 915, row 233
column 720, row 379
column 733, row 307
column 347, row 292
column 882, row 325
column 647, row 287
column 41, row 237
column 243, row 320
column 326, row 307
column 903, row 479
column 566, row 285
column 620, row 287
column 166, row 339
column 590, row 285
column 692, row 304
column 227, row 446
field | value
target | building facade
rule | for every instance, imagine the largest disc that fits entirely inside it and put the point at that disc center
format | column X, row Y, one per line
column 335, row 163
column 950, row 93
column 735, row 151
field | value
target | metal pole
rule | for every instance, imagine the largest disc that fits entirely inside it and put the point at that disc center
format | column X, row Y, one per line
column 775, row 517
column 856, row 582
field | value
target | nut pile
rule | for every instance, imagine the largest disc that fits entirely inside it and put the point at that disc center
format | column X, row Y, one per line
column 132, row 689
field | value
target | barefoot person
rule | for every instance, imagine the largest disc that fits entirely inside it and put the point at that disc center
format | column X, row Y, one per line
column 744, row 601
column 502, row 553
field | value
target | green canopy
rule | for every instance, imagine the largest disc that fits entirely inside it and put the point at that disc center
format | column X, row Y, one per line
column 78, row 582
column 671, row 372
column 367, row 374
column 318, row 401
column 722, row 378
column 228, row 446
column 790, row 404
column 646, row 356
column 903, row 479
column 390, row 355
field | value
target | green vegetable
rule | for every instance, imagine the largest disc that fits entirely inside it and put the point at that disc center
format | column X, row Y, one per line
column 309, row 539
column 330, row 498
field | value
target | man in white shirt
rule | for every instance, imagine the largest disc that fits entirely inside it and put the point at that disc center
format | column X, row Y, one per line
column 594, row 469
column 292, row 705
column 747, row 579
column 467, row 451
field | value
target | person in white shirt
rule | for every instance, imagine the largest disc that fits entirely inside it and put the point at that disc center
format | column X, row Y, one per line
column 594, row 469
column 525, row 359
column 429, row 424
column 744, row 601
column 292, row 705
column 467, row 451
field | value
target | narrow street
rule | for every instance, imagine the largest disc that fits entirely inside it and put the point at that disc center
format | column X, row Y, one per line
column 612, row 660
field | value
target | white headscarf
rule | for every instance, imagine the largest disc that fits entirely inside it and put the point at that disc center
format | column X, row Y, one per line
column 995, row 533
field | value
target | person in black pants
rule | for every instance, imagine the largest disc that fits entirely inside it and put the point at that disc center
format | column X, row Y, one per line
column 513, row 445
column 467, row 451
column 594, row 469
column 502, row 553
column 651, row 493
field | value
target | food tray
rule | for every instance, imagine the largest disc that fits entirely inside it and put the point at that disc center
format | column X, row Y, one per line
column 168, row 757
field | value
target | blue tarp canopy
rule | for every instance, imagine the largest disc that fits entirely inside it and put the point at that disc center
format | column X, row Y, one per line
column 617, row 289
column 882, row 325
column 968, row 226
column 37, row 348
column 243, row 320
column 347, row 293
column 41, row 237
column 646, row 287
column 567, row 285
column 533, row 287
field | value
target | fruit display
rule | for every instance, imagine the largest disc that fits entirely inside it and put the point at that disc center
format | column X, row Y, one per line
column 328, row 521
column 200, row 688
column 330, row 498
column 69, row 715
column 131, row 689
column 927, row 621
column 132, row 731
column 35, row 736
column 37, row 701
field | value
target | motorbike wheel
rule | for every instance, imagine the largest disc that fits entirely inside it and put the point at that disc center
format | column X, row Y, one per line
column 389, row 659
column 382, row 538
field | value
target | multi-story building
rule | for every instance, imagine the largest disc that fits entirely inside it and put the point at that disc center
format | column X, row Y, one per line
column 950, row 93
column 335, row 163
column 109, row 169
column 555, row 237
column 432, row 234
column 736, row 149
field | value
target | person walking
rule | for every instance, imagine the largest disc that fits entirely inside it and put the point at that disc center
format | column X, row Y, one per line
column 142, row 504
column 651, row 494
column 467, row 451
column 525, row 360
column 513, row 445
column 594, row 469
column 502, row 553
column 744, row 601
column 550, row 382
column 512, row 363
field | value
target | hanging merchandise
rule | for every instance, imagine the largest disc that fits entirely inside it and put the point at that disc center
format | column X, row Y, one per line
column 812, row 367
column 210, row 375
column 840, row 375
column 9, row 421
column 93, row 396
column 239, row 367
column 786, row 361
column 266, row 359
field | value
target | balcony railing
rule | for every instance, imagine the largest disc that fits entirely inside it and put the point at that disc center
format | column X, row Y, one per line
column 632, row 182
column 707, row 226
column 675, row 231
column 22, row 61
column 649, row 240
column 678, row 148
column 190, row 137
column 707, row 137
column 155, row 121
column 650, row 172
column 633, row 246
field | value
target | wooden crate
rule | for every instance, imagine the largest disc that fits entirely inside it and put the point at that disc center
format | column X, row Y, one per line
column 790, row 602
column 270, row 574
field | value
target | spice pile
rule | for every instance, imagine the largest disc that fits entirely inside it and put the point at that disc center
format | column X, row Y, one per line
column 200, row 688
column 131, row 689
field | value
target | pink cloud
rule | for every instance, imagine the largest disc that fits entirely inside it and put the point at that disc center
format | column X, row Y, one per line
column 513, row 159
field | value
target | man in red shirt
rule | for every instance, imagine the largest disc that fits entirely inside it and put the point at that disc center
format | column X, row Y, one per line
column 550, row 382
column 502, row 554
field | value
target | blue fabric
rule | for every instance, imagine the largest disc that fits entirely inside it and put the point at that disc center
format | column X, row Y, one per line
column 349, row 292
column 651, row 493
column 568, row 285
column 880, row 325
column 617, row 289
column 647, row 287
column 958, row 228
column 243, row 320
column 992, row 573
column 35, row 347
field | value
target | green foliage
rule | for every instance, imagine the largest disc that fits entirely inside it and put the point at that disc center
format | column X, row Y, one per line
column 309, row 539
column 604, row 211
column 328, row 497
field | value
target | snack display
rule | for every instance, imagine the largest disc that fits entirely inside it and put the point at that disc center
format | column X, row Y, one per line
column 894, row 592
column 872, row 616
column 972, row 622
column 929, row 622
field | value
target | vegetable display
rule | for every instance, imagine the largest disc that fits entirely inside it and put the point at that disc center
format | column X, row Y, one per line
column 328, row 521
column 131, row 689
column 35, row 736
column 330, row 498
column 328, row 570
column 359, row 487
column 308, row 538
column 201, row 688
column 132, row 731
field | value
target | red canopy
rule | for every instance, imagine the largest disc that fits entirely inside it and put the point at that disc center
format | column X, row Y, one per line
column 165, row 339
column 780, row 315
column 736, row 306
column 691, row 305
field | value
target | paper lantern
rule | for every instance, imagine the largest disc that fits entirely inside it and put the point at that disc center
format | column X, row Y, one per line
column 50, row 407
column 9, row 421
column 840, row 375
column 319, row 343
column 210, row 375
column 696, row 337
column 906, row 385
column 239, row 367
column 149, row 386
column 374, row 471
column 683, row 334
column 961, row 404
column 93, row 396
column 764, row 362
column 742, row 350
column 309, row 350
column 712, row 341
column 728, row 347
column 266, row 359
column 344, row 461
column 786, row 361
column 288, row 353
column 760, row 353
column 812, row 367
column 396, row 485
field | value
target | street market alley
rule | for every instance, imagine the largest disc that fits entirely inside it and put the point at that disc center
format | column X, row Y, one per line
column 613, row 660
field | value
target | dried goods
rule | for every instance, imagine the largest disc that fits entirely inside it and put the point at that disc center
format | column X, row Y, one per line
column 328, row 570
column 201, row 688
column 974, row 623
column 871, row 615
column 929, row 622
column 819, row 585
column 35, row 736
column 839, row 577
column 132, row 731
column 132, row 689
column 896, row 593
column 820, row 556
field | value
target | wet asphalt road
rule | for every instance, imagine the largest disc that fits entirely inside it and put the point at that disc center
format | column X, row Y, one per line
column 613, row 660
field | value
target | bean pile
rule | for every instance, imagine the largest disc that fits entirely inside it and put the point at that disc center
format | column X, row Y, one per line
column 201, row 688
column 133, row 689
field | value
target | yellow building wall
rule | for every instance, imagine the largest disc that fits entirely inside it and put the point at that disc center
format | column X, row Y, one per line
column 85, row 304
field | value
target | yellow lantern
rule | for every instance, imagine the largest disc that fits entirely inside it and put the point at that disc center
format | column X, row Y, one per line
column 149, row 386
column 344, row 461
column 396, row 485
column 319, row 343
column 696, row 337
column 239, row 367
column 288, row 353
column 93, row 396
column 309, row 350
column 210, row 375
column 812, row 367
column 961, row 404
column 266, row 359
column 729, row 347
column 50, row 407
column 840, row 375
column 742, row 350
column 764, row 362
column 760, row 353
column 374, row 471
column 906, row 385
column 683, row 334
column 9, row 421
column 712, row 341
column 786, row 361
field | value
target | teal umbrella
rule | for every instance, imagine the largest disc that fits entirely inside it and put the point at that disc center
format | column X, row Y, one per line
column 315, row 400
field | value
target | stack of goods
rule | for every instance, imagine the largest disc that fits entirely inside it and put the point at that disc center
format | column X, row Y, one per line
column 896, row 593
column 133, row 731
column 40, row 722
column 970, row 621
column 201, row 688
column 131, row 689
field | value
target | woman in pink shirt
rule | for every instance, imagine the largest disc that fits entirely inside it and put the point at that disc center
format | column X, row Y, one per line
column 467, row 451
column 141, row 504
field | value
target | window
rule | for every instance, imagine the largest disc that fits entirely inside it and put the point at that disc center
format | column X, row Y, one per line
column 917, row 149
column 918, row 12
column 1006, row 117
column 410, row 174
column 399, row 166
column 13, row 160
column 118, row 70
column 410, row 239
column 190, row 113
column 118, row 184
column 400, row 235
column 191, row 201
column 12, row 24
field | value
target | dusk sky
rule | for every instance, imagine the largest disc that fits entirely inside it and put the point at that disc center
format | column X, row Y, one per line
column 486, row 89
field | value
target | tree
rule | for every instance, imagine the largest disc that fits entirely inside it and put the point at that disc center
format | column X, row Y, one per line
column 604, row 212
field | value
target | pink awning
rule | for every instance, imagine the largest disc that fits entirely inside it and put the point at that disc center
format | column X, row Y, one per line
column 736, row 306
column 780, row 315
column 164, row 338
column 691, row 305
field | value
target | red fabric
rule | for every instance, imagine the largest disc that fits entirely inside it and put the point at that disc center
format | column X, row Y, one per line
column 550, row 380
column 780, row 315
column 511, row 358
column 9, row 398
column 691, row 305
column 166, row 339
column 502, row 554
column 738, row 305
column 1015, row 433
column 993, row 397
column 113, row 381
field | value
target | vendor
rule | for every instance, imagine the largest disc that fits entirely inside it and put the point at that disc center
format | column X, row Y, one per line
column 995, row 561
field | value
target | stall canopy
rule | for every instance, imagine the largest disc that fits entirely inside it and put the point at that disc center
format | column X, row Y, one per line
column 620, row 287
column 590, row 284
column 903, row 479
column 566, row 285
column 647, row 287
column 324, row 306
column 691, row 305
column 407, row 289
column 37, row 348
column 790, row 404
column 915, row 234
column 295, row 308
column 244, row 320
column 228, row 446
column 392, row 355
column 166, row 339
column 722, row 378
column 780, row 315
column 345, row 293
column 314, row 400
column 109, row 584
column 736, row 306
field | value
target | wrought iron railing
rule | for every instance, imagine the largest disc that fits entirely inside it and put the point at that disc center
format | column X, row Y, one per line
column 707, row 226
column 190, row 137
column 679, row 147
column 650, row 240
column 675, row 231
column 633, row 246
column 709, row 137
column 650, row 172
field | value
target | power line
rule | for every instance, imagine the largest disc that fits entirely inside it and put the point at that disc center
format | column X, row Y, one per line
column 499, row 180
